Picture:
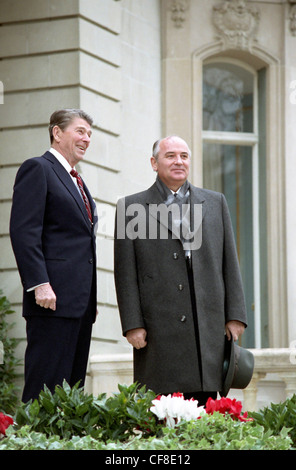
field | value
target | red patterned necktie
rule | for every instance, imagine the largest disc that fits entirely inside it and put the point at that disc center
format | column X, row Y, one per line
column 84, row 197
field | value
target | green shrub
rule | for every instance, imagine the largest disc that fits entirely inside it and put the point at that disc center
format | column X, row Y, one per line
column 211, row 432
column 70, row 412
column 278, row 416
column 66, row 412
column 127, row 413
column 8, row 389
column 214, row 432
column 70, row 420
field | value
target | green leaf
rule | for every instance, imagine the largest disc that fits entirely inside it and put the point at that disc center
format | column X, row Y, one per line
column 48, row 405
column 34, row 408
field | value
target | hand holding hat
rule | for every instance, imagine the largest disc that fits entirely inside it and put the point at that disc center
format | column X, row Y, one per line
column 234, row 329
column 238, row 367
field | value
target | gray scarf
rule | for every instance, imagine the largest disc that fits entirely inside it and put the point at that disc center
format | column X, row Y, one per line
column 180, row 219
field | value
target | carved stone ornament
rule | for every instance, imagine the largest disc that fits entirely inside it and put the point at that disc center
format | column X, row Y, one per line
column 178, row 9
column 293, row 20
column 237, row 23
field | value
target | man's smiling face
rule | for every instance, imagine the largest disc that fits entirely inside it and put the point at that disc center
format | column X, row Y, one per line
column 73, row 141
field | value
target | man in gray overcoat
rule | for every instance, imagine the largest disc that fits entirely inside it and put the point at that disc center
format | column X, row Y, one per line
column 177, row 278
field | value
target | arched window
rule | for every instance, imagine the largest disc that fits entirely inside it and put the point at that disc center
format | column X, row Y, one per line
column 234, row 164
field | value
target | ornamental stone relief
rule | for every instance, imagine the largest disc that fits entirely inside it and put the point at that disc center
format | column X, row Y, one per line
column 236, row 23
column 178, row 10
column 293, row 20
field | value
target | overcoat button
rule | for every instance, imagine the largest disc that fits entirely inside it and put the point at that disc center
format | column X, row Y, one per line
column 183, row 318
column 90, row 261
column 180, row 287
column 175, row 256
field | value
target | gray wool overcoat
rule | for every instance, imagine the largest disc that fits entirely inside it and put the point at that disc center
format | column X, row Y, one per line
column 153, row 292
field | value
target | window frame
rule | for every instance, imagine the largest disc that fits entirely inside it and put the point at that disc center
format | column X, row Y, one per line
column 245, row 139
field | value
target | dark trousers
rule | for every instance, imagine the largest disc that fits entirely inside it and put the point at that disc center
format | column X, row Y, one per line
column 57, row 350
column 201, row 397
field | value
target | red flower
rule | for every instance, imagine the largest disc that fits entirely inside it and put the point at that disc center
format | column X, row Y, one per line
column 226, row 406
column 178, row 394
column 5, row 421
column 175, row 394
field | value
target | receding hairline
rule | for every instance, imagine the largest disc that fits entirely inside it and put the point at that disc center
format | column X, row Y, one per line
column 156, row 145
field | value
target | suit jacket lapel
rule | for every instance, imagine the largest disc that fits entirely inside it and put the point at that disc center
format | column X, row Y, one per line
column 64, row 176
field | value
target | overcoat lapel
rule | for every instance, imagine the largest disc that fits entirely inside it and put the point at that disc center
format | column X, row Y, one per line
column 154, row 199
column 154, row 202
column 64, row 176
column 196, row 198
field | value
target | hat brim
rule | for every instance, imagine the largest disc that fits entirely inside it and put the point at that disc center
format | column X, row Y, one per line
column 228, row 366
column 238, row 367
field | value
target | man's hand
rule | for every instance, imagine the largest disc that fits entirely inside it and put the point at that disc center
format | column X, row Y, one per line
column 137, row 337
column 234, row 329
column 45, row 296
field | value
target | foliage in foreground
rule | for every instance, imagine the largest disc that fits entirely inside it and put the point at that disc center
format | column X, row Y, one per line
column 211, row 432
column 70, row 412
column 8, row 390
column 277, row 416
column 71, row 420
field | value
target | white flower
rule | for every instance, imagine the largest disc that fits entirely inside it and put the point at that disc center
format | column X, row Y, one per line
column 159, row 407
column 192, row 411
column 174, row 408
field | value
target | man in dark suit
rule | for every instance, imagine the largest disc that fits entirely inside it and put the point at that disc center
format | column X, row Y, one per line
column 53, row 238
column 177, row 294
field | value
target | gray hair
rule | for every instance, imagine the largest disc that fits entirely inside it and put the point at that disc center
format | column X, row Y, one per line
column 63, row 117
column 156, row 145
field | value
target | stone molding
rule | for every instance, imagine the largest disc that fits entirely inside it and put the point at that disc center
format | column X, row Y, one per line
column 178, row 10
column 280, row 361
column 292, row 18
column 106, row 371
column 236, row 23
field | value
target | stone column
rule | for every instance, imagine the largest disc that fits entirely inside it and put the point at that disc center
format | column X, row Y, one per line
column 289, row 377
column 250, row 393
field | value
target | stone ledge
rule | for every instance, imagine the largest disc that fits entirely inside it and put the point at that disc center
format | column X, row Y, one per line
column 101, row 360
column 108, row 370
column 279, row 361
column 274, row 359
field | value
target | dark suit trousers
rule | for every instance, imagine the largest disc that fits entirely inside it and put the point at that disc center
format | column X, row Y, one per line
column 57, row 349
column 201, row 397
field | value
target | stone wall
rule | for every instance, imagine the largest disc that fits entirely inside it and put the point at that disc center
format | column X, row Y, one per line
column 103, row 57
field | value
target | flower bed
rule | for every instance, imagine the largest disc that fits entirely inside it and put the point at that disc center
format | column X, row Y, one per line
column 136, row 419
